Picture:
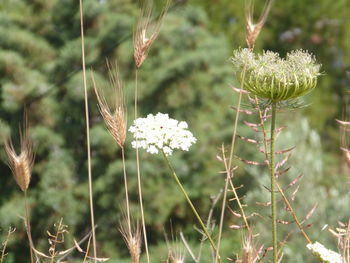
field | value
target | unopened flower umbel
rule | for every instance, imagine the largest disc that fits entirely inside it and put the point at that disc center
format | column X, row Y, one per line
column 160, row 133
column 324, row 254
column 274, row 78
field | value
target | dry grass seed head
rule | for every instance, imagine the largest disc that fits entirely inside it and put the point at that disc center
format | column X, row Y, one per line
column 116, row 118
column 132, row 238
column 146, row 32
column 253, row 30
column 175, row 253
column 21, row 165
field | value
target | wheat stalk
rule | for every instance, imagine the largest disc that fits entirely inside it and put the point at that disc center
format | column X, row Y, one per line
column 132, row 237
column 21, row 165
column 146, row 32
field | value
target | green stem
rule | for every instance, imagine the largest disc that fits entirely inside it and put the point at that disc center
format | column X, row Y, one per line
column 272, row 169
column 204, row 228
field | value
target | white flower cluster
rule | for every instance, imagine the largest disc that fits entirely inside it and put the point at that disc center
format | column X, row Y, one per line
column 324, row 254
column 160, row 133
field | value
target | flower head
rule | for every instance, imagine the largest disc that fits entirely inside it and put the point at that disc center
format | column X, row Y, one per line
column 160, row 133
column 253, row 29
column 21, row 164
column 324, row 254
column 146, row 33
column 115, row 117
column 269, row 76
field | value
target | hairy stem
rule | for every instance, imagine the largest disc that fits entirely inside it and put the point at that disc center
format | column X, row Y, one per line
column 87, row 131
column 139, row 174
column 284, row 197
column 273, row 179
column 126, row 191
column 204, row 228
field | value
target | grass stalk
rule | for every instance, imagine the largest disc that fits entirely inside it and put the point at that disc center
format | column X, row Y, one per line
column 126, row 191
column 87, row 130
column 273, row 183
column 27, row 222
column 139, row 174
column 229, row 167
column 204, row 228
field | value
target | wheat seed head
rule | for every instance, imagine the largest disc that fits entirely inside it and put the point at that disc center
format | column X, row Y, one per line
column 21, row 165
column 253, row 30
column 115, row 117
column 132, row 238
column 146, row 31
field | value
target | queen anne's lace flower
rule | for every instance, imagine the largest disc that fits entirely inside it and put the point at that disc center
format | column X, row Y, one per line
column 267, row 75
column 160, row 133
column 324, row 254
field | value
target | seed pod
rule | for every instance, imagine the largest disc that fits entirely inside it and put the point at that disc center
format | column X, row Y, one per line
column 274, row 78
column 21, row 165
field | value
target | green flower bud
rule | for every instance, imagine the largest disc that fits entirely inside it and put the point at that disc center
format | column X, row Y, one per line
column 274, row 78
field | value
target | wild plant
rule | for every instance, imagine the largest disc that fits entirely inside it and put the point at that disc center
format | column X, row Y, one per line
column 115, row 118
column 252, row 32
column 88, row 146
column 276, row 80
column 146, row 33
column 161, row 134
column 21, row 166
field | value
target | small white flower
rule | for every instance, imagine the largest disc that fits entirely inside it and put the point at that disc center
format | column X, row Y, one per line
column 324, row 254
column 160, row 133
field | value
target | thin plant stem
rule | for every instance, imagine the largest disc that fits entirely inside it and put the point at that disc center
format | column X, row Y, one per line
column 3, row 251
column 273, row 179
column 293, row 213
column 27, row 221
column 229, row 168
column 139, row 174
column 204, row 228
column 210, row 215
column 87, row 249
column 87, row 130
column 126, row 191
column 235, row 193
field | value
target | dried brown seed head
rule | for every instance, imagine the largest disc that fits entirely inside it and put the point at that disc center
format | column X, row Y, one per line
column 253, row 30
column 116, row 119
column 142, row 42
column 21, row 165
column 132, row 238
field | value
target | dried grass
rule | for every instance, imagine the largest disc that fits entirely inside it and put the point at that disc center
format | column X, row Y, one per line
column 116, row 117
column 146, row 32
column 253, row 30
column 21, row 165
column 132, row 238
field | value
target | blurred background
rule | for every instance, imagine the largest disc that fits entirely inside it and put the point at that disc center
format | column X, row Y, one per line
column 188, row 75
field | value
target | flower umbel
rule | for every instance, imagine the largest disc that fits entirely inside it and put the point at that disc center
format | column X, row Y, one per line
column 324, row 254
column 277, row 79
column 160, row 133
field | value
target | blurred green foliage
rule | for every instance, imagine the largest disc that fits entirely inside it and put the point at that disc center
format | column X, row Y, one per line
column 187, row 74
